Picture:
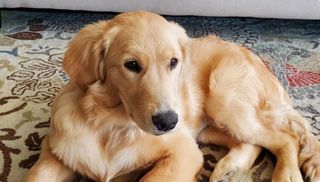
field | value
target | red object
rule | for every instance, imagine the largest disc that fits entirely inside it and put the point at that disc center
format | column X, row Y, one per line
column 298, row 78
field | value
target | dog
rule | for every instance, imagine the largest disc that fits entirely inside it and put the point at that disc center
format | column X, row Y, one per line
column 142, row 93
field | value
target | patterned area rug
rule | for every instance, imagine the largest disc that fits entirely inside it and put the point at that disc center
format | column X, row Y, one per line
column 31, row 51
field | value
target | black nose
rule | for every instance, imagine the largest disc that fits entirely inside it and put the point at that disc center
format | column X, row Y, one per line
column 165, row 121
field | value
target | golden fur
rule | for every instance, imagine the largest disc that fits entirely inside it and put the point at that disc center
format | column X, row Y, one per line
column 101, row 121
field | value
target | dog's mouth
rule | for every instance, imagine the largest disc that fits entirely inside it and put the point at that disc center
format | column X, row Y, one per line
column 158, row 133
column 155, row 131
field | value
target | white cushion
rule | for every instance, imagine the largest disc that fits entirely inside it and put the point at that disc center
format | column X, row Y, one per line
column 298, row 9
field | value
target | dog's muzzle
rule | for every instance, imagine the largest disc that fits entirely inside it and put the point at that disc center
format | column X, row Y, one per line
column 165, row 121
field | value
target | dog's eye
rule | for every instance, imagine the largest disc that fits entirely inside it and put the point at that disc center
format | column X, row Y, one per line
column 133, row 65
column 173, row 63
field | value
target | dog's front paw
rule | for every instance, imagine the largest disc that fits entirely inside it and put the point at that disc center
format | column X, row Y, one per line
column 309, row 157
column 239, row 159
column 288, row 175
column 225, row 169
column 223, row 176
column 311, row 168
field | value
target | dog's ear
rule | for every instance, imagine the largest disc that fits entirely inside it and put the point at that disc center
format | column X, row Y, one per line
column 183, row 39
column 84, row 59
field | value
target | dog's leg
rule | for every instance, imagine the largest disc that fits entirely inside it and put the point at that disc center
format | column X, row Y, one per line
column 182, row 164
column 309, row 157
column 245, row 125
column 285, row 147
column 240, row 158
column 48, row 168
column 213, row 135
column 131, row 177
column 283, row 144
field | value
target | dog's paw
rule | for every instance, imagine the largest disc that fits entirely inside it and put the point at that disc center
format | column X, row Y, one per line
column 288, row 175
column 225, row 169
column 223, row 176
column 311, row 168
column 238, row 160
column 309, row 157
column 223, row 172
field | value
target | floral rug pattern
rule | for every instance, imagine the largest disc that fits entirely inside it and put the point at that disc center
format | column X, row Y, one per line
column 32, row 45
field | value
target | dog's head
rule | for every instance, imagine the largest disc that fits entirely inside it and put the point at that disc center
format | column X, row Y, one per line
column 137, row 58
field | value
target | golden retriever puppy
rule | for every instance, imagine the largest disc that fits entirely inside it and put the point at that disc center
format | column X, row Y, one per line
column 142, row 92
column 98, row 119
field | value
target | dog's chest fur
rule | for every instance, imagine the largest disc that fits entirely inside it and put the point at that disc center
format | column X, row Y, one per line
column 99, row 156
column 101, row 152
